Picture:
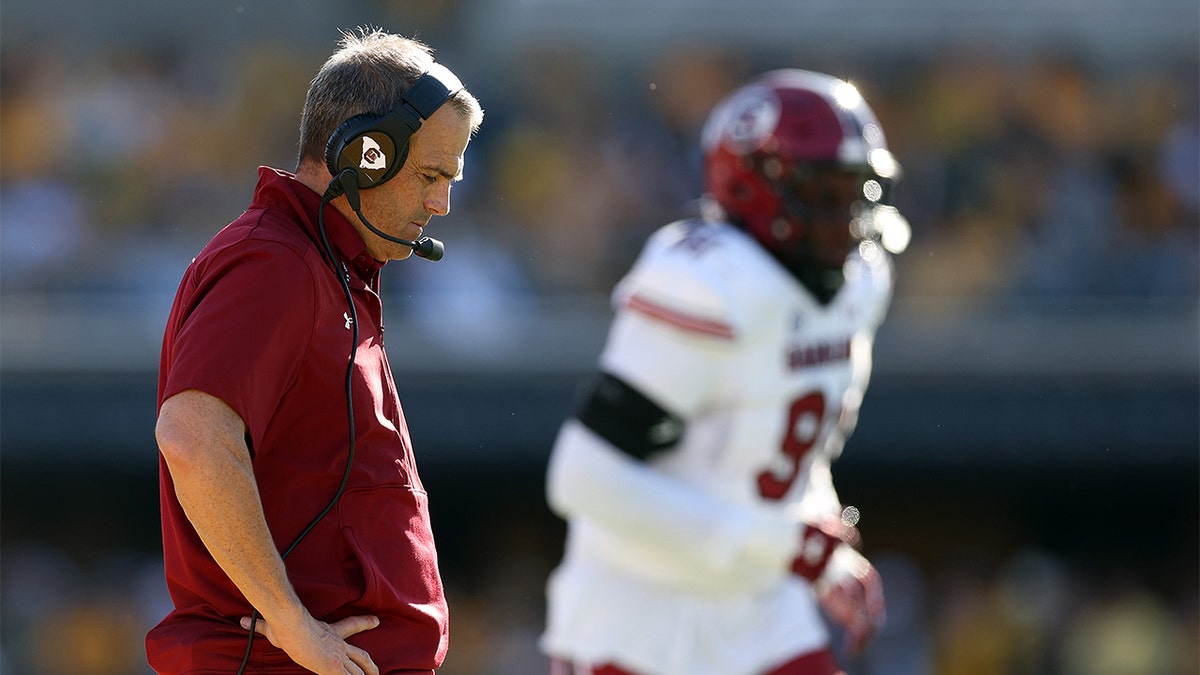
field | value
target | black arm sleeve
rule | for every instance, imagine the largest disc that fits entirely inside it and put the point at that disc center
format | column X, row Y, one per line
column 623, row 416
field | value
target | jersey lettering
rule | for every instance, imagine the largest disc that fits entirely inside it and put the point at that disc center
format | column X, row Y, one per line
column 815, row 355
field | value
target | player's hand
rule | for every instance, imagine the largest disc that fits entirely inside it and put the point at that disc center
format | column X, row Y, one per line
column 851, row 594
column 321, row 647
column 818, row 540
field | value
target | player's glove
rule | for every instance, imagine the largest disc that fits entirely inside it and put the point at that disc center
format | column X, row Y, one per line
column 817, row 543
column 851, row 594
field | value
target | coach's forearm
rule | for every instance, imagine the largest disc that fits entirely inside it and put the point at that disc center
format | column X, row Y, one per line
column 202, row 441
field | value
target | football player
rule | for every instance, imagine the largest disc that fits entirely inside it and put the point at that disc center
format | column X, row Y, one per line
column 705, row 536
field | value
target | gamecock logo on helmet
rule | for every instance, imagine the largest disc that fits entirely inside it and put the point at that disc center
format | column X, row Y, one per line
column 756, row 114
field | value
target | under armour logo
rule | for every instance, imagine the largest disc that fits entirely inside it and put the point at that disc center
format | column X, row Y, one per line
column 372, row 155
column 348, row 319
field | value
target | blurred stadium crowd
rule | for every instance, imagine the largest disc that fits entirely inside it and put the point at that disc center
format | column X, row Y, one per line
column 1042, row 178
column 1038, row 177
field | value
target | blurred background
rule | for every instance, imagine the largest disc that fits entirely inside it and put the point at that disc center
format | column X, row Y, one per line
column 1028, row 458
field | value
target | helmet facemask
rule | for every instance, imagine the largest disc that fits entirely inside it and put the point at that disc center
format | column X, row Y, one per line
column 809, row 232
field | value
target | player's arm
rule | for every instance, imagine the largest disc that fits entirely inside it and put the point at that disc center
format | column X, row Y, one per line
column 590, row 477
column 598, row 471
column 203, row 443
column 599, row 466
column 850, row 592
column 849, row 588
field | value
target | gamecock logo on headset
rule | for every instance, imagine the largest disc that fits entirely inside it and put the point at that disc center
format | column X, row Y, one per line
column 372, row 155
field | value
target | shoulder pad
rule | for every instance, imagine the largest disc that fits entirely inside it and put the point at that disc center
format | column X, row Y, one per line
column 698, row 276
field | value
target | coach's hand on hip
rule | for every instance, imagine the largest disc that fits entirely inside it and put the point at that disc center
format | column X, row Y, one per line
column 321, row 647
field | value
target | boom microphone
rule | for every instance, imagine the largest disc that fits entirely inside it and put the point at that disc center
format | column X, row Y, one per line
column 346, row 183
column 430, row 249
column 426, row 247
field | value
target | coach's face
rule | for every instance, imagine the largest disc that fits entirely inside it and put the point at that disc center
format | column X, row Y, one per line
column 403, row 206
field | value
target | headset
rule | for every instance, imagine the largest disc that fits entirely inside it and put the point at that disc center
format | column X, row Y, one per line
column 368, row 150
column 364, row 152
column 364, row 142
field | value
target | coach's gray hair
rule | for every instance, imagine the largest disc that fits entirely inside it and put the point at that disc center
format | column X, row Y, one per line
column 362, row 77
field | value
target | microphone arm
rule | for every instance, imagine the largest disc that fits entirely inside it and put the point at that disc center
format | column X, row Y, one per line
column 426, row 247
column 346, row 182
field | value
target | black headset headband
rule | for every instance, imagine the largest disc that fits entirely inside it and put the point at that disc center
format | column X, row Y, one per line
column 375, row 146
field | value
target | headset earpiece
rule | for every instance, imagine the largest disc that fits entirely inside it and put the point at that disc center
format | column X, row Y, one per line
column 344, row 149
column 376, row 146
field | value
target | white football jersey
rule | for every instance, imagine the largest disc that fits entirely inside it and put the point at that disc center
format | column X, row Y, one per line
column 681, row 564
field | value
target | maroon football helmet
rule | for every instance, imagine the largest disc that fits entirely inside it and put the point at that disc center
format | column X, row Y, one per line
column 798, row 160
